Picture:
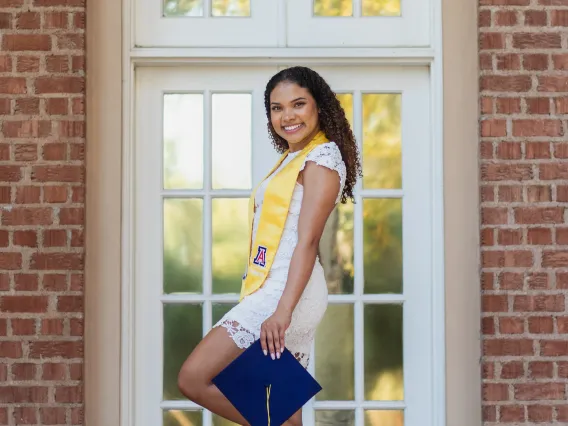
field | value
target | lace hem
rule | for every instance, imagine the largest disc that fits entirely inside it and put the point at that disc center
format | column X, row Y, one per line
column 244, row 338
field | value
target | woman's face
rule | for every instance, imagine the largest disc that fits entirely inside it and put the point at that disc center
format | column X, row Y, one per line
column 293, row 113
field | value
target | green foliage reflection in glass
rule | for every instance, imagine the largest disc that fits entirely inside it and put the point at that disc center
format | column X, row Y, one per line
column 381, row 8
column 230, row 234
column 183, row 246
column 335, row 356
column 382, row 141
column 333, row 7
column 384, row 418
column 383, row 352
column 345, row 7
column 382, row 245
column 183, row 330
column 218, row 7
column 183, row 141
column 182, row 418
column 335, row 418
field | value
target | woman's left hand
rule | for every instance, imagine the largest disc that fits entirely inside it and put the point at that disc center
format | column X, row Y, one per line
column 272, row 333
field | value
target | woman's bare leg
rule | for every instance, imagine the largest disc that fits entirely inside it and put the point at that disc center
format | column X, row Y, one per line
column 295, row 420
column 208, row 359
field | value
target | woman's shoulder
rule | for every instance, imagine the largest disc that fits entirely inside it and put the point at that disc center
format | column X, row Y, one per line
column 328, row 155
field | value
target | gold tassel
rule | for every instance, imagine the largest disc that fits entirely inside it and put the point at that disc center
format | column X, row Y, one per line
column 268, row 402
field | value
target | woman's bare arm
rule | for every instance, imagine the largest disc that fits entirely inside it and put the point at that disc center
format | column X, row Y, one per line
column 321, row 187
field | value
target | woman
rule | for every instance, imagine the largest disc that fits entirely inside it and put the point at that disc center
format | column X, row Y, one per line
column 284, row 293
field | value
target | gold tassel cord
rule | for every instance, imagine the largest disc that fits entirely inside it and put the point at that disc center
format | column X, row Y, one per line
column 268, row 402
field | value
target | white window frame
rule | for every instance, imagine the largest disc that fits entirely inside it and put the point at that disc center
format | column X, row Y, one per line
column 155, row 30
column 136, row 57
column 284, row 23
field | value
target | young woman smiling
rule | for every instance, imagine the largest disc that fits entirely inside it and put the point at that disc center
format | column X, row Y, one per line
column 284, row 293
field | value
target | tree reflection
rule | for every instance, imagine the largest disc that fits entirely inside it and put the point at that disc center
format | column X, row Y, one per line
column 218, row 7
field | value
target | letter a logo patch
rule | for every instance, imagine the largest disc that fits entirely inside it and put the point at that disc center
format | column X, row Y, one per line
column 260, row 258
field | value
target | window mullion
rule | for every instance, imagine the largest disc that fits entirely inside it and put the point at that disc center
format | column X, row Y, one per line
column 357, row 8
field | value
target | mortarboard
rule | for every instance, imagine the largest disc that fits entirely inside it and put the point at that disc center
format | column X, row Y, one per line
column 266, row 392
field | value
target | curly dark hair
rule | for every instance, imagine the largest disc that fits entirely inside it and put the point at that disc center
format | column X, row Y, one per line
column 331, row 118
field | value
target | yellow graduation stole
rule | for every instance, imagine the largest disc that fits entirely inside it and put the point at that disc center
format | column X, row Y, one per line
column 275, row 207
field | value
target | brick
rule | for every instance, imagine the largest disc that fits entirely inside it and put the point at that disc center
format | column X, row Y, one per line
column 52, row 326
column 28, row 216
column 489, row 41
column 539, row 215
column 552, row 84
column 54, row 371
column 507, row 259
column 25, row 415
column 28, row 194
column 29, row 304
column 554, row 258
column 541, row 369
column 55, row 194
column 28, row 20
column 56, row 20
column 12, row 85
column 11, row 349
column 507, row 237
column 512, row 370
column 510, row 193
column 538, row 105
column 535, row 18
column 539, row 391
column 508, row 105
column 23, row 327
column 493, row 128
column 541, row 325
column 509, row 151
column 23, row 371
column 27, row 128
column 52, row 415
column 58, row 174
column 560, row 61
column 496, row 83
column 510, row 281
column 508, row 347
column 537, row 127
column 57, row 261
column 70, row 304
column 559, row 18
column 55, row 238
column 23, row 394
column 535, row 62
column 26, row 42
column 499, row 172
column 511, row 325
column 553, row 171
column 27, row 106
column 26, row 282
column 45, row 85
column 494, row 303
column 540, row 40
column 493, row 216
column 540, row 413
column 539, row 303
column 539, row 236
column 56, row 349
column 512, row 413
column 27, row 64
column 537, row 150
column 495, row 392
column 506, row 18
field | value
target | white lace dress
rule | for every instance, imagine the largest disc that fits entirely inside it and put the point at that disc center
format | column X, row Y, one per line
column 243, row 322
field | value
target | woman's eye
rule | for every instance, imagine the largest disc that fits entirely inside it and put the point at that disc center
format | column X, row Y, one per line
column 300, row 104
column 275, row 108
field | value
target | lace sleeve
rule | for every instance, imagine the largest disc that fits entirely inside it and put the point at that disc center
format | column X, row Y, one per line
column 329, row 155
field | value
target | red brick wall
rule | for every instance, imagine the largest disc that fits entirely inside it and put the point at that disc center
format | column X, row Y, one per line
column 524, row 190
column 42, row 193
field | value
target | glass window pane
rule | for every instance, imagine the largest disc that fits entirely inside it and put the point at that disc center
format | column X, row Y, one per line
column 220, row 421
column 334, row 362
column 182, row 418
column 383, row 353
column 183, row 7
column 232, row 140
column 381, row 8
column 183, row 141
column 382, row 141
column 384, row 418
column 230, row 8
column 183, row 246
column 220, row 309
column 382, row 245
column 183, row 330
column 335, row 418
column 336, row 250
column 333, row 8
column 230, row 240
column 346, row 101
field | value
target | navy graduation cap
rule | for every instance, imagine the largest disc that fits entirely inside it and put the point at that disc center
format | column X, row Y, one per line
column 266, row 392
